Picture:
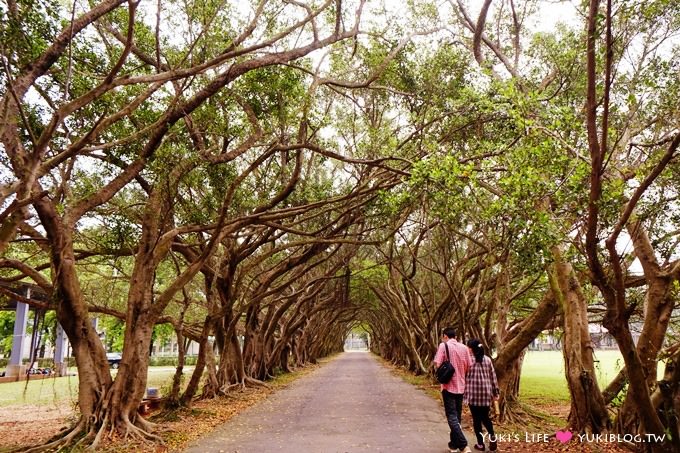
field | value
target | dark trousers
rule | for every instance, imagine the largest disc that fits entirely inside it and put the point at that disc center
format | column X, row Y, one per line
column 453, row 407
column 481, row 416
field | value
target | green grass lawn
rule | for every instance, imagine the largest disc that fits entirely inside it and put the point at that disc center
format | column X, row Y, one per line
column 543, row 378
column 63, row 390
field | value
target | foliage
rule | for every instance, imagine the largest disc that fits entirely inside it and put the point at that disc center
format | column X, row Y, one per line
column 113, row 329
column 6, row 332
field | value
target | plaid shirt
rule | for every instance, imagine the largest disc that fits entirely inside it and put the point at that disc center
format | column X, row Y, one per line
column 481, row 384
column 460, row 358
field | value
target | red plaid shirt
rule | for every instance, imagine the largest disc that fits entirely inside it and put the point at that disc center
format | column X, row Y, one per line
column 460, row 358
column 481, row 383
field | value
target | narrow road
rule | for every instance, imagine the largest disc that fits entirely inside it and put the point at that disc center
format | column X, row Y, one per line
column 352, row 404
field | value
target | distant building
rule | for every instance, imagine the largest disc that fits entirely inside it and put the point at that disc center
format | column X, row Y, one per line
column 171, row 348
column 547, row 341
column 601, row 338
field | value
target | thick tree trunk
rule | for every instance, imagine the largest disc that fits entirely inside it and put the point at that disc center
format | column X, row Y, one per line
column 173, row 398
column 130, row 383
column 211, row 388
column 282, row 344
column 658, row 307
column 284, row 356
column 508, row 384
column 231, row 371
column 650, row 422
column 667, row 397
column 521, row 335
column 588, row 413
column 94, row 377
column 254, row 350
column 203, row 346
column 225, row 372
column 239, row 366
column 508, row 362
column 301, row 350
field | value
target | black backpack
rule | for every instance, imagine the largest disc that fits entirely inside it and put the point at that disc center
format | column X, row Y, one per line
column 446, row 370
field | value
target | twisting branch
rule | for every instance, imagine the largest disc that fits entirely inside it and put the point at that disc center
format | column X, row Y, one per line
column 593, row 144
column 378, row 71
column 63, row 112
column 248, row 143
column 28, row 271
column 607, row 82
column 474, row 28
column 183, row 108
column 17, row 102
column 479, row 31
column 630, row 206
column 18, row 204
column 69, row 71
column 43, row 63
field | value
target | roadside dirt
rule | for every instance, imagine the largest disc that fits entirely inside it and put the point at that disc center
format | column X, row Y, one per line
column 25, row 425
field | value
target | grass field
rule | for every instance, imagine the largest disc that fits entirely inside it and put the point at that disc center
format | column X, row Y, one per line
column 64, row 390
column 543, row 374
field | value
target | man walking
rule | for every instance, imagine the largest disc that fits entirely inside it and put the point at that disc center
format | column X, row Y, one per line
column 452, row 391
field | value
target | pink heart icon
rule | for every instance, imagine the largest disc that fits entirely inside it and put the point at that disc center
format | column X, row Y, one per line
column 563, row 436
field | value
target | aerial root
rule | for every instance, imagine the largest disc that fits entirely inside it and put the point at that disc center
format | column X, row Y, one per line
column 100, row 432
column 145, row 424
column 85, row 439
column 257, row 382
column 138, row 433
column 516, row 413
column 88, row 435
column 243, row 384
column 239, row 385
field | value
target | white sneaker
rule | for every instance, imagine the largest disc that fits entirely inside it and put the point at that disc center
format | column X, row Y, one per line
column 467, row 450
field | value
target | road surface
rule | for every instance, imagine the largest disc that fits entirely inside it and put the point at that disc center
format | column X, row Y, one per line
column 351, row 404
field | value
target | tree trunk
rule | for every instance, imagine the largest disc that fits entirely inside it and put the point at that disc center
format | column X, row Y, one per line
column 173, row 398
column 130, row 383
column 658, row 307
column 211, row 389
column 521, row 335
column 94, row 376
column 254, row 350
column 285, row 354
column 588, row 413
column 508, row 384
column 203, row 346
column 508, row 362
column 667, row 397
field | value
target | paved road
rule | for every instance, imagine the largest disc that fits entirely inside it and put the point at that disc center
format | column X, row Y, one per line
column 352, row 404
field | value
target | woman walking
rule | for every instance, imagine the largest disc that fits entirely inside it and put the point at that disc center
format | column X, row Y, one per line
column 481, row 388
